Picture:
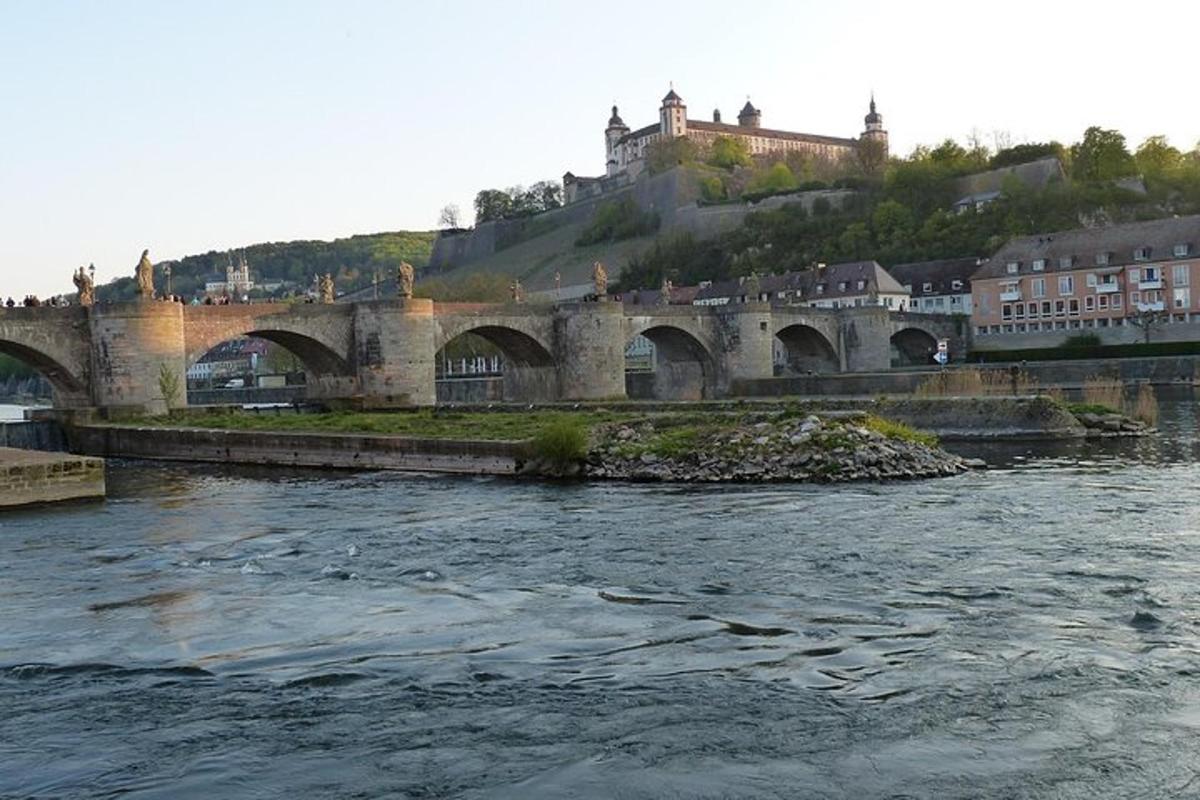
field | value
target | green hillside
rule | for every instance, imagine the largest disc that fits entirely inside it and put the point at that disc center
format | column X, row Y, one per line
column 352, row 261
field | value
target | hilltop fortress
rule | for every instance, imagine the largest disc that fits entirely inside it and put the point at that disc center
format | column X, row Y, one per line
column 625, row 149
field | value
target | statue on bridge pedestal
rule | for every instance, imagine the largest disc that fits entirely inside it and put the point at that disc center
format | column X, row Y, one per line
column 753, row 288
column 599, row 280
column 145, row 277
column 517, row 291
column 404, row 280
column 85, row 286
column 664, row 293
column 326, row 288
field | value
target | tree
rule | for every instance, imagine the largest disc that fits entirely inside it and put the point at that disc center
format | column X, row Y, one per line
column 872, row 156
column 1147, row 321
column 729, row 152
column 1155, row 157
column 666, row 154
column 1101, row 156
column 777, row 178
column 492, row 204
column 449, row 217
column 1024, row 153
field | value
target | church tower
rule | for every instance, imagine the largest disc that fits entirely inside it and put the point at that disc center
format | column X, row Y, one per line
column 874, row 131
column 672, row 116
column 612, row 135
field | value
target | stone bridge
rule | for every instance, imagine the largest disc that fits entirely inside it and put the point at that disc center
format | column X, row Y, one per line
column 383, row 353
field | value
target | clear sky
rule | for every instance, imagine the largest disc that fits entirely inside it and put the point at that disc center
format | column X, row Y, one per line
column 191, row 126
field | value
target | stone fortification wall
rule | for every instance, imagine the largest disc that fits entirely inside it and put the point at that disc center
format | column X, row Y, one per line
column 46, row 436
column 335, row 451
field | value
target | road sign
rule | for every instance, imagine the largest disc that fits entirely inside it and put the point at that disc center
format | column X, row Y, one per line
column 940, row 357
column 943, row 345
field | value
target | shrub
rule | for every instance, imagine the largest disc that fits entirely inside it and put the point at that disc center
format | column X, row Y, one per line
column 712, row 190
column 617, row 220
column 1145, row 407
column 1083, row 340
column 561, row 443
column 975, row 383
column 1107, row 392
column 899, row 431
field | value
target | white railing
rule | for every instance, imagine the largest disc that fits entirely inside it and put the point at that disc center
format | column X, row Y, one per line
column 1154, row 284
column 1156, row 306
column 1107, row 288
column 1008, row 297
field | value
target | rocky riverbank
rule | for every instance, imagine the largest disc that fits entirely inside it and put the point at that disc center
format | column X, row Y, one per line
column 1111, row 424
column 767, row 448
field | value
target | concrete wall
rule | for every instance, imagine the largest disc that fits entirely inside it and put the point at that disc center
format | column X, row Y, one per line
column 47, row 436
column 1126, row 334
column 338, row 451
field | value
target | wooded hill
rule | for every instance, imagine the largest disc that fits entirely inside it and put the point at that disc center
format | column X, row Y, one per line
column 352, row 262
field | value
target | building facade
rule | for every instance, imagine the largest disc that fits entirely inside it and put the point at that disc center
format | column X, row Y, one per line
column 1090, row 279
column 938, row 287
column 625, row 149
column 236, row 284
column 856, row 283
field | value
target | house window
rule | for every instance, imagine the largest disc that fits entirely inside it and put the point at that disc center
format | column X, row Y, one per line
column 926, row 287
column 1033, row 310
column 1039, row 264
column 841, row 286
column 1134, row 297
column 1019, row 311
column 1181, row 250
column 862, row 285
column 1091, row 279
column 1074, row 307
column 1135, row 275
column 956, row 284
column 1101, row 259
column 1006, row 311
column 1181, row 298
column 820, row 288
column 1141, row 254
column 1066, row 262
column 1013, row 267
column 1038, row 287
column 1089, row 303
column 1066, row 284
column 1102, row 302
column 1151, row 274
column 1045, row 308
column 1180, row 275
column 1060, row 307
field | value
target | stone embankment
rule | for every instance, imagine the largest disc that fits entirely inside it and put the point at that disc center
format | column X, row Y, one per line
column 28, row 477
column 808, row 449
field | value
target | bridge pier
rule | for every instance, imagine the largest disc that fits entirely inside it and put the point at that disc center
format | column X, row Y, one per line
column 590, row 345
column 865, row 339
column 394, row 352
column 138, row 356
column 748, row 342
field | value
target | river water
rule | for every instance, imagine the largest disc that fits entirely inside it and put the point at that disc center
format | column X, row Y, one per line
column 1028, row 631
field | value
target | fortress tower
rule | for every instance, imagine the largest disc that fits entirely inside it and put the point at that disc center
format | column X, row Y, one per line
column 612, row 134
column 749, row 116
column 874, row 131
column 672, row 116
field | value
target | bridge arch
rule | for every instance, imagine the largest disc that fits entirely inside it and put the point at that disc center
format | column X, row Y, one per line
column 684, row 366
column 912, row 346
column 54, row 343
column 806, row 349
column 514, row 365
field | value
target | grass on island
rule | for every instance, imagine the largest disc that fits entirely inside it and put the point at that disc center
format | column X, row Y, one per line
column 899, row 431
column 499, row 425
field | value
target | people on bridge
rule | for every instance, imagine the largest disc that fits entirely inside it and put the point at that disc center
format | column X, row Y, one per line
column 10, row 303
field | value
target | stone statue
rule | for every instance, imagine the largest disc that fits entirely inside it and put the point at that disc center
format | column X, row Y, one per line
column 85, row 286
column 753, row 288
column 518, row 293
column 326, row 288
column 664, row 294
column 404, row 280
column 599, row 280
column 145, row 277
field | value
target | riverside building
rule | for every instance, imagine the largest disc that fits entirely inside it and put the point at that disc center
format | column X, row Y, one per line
column 1094, row 279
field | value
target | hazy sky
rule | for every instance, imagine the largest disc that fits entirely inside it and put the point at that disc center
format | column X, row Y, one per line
column 191, row 126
